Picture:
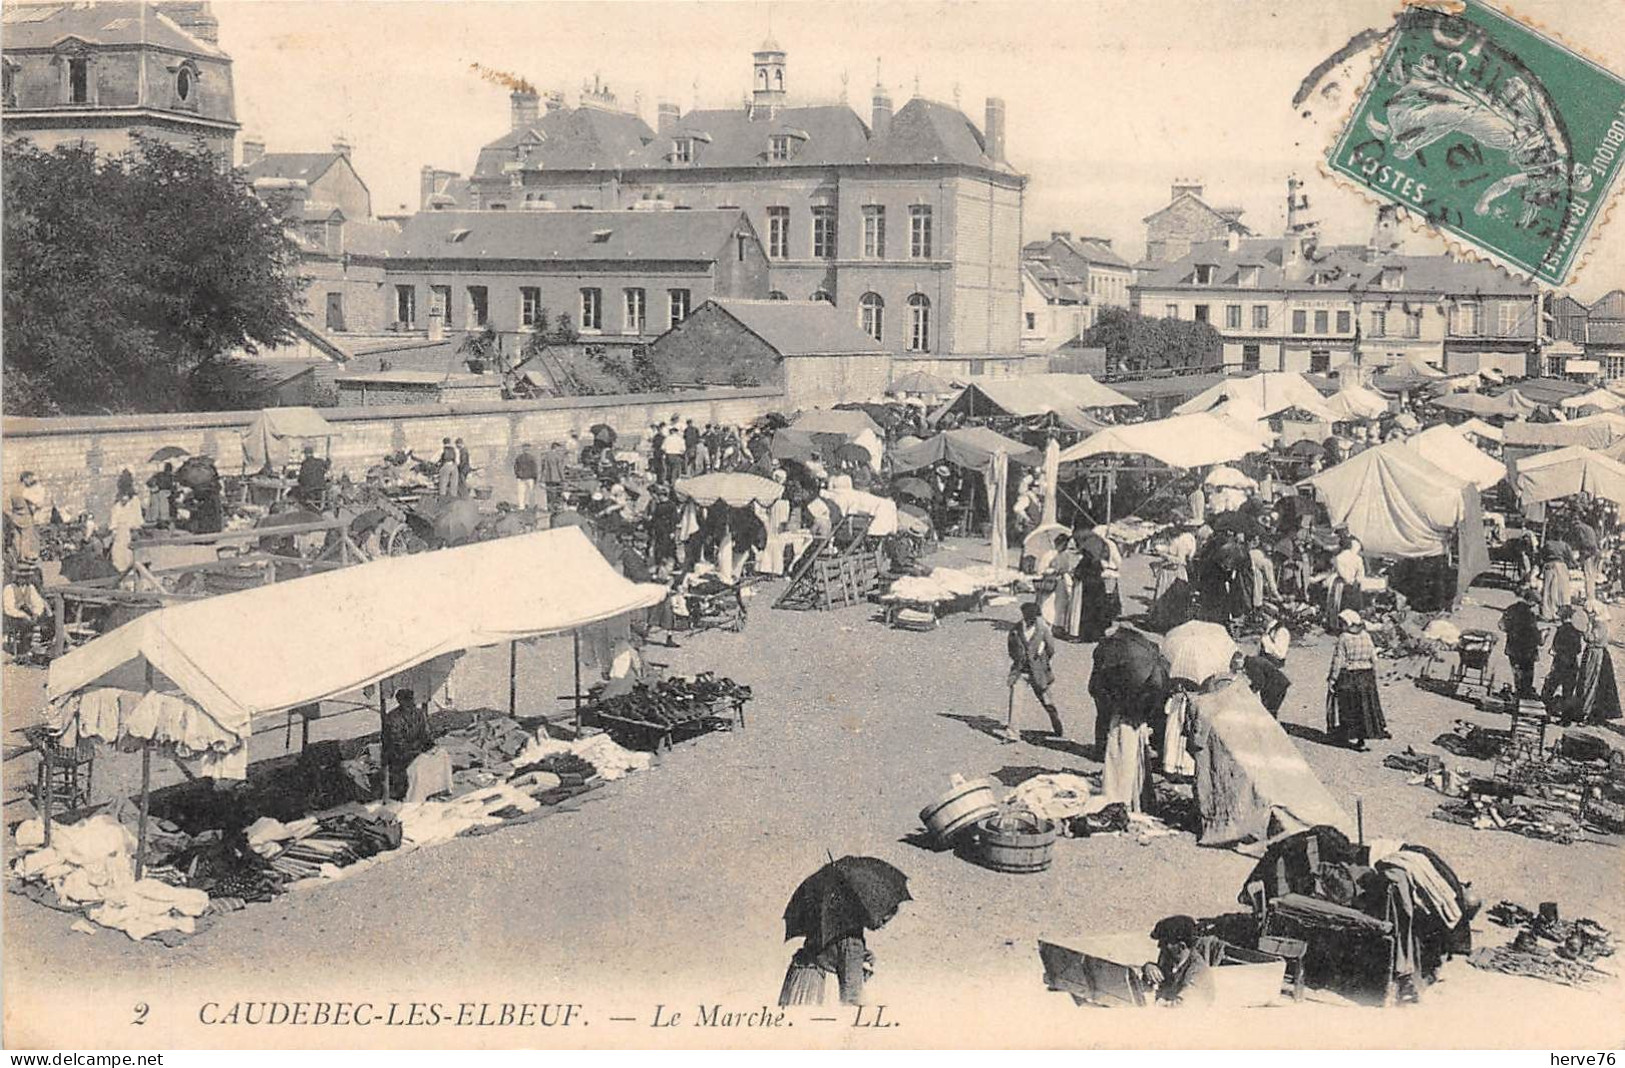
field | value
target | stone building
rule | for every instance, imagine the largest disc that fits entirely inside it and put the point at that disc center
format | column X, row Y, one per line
column 1066, row 280
column 620, row 277
column 1285, row 304
column 910, row 223
column 94, row 74
column 1590, row 338
column 1188, row 220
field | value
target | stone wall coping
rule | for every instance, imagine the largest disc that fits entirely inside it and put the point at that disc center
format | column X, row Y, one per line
column 27, row 426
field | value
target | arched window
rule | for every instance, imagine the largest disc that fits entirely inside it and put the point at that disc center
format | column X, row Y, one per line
column 762, row 75
column 872, row 315
column 919, row 323
column 822, row 295
column 776, row 295
column 778, row 78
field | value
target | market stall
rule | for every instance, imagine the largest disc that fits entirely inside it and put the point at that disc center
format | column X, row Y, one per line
column 1564, row 472
column 1271, row 393
column 1201, row 439
column 1067, row 399
column 1401, row 505
column 1445, row 447
column 177, row 678
column 269, row 447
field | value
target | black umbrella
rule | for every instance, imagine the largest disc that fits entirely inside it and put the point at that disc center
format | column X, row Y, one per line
column 1091, row 544
column 845, row 897
column 367, row 520
column 1128, row 662
column 913, row 488
column 853, row 453
column 1238, row 522
column 168, row 452
column 1306, row 448
column 603, row 433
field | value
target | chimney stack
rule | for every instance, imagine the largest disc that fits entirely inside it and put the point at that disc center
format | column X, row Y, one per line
column 1060, row 235
column 1186, row 185
column 667, row 115
column 253, row 150
column 426, row 184
column 555, row 101
column 880, row 117
column 341, row 145
column 525, row 107
column 993, row 132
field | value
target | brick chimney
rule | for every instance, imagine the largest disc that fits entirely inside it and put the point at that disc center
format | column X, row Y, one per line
column 426, row 184
column 1186, row 185
column 253, row 150
column 993, row 129
column 555, row 101
column 880, row 116
column 525, row 107
column 667, row 116
column 1060, row 235
column 341, row 145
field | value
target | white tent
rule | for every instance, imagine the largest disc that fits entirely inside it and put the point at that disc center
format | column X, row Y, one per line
column 1445, row 447
column 1601, row 400
column 1181, row 441
column 1576, row 469
column 1270, row 392
column 267, row 439
column 1476, row 427
column 261, row 651
column 1356, row 402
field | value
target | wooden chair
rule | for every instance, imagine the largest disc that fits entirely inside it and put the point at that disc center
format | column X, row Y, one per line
column 65, row 774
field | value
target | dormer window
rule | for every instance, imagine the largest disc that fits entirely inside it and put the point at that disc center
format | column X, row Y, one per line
column 1393, row 278
column 778, row 148
column 682, row 150
column 1251, row 276
column 183, row 84
column 457, row 237
column 187, row 76
column 1206, row 273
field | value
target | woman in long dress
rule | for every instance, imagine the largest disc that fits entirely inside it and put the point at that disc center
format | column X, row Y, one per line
column 1047, row 583
column 1354, row 706
column 1599, row 692
column 846, row 957
column 1556, row 591
column 126, row 519
column 1346, row 590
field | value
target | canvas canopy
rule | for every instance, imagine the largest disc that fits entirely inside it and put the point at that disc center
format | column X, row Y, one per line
column 1599, row 399
column 1184, row 441
column 1066, row 397
column 1548, row 475
column 971, row 446
column 1479, row 428
column 850, row 422
column 1399, row 504
column 1356, row 402
column 1269, row 392
column 269, row 437
column 1591, row 431
column 1509, row 405
column 1445, row 447
column 265, row 650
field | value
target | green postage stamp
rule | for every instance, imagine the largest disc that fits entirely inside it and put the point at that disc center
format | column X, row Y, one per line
column 1501, row 137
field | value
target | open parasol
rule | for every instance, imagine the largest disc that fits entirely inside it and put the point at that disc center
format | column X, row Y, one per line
column 1197, row 651
column 845, row 897
column 919, row 382
column 603, row 433
column 168, row 452
column 853, row 453
column 731, row 487
column 1228, row 477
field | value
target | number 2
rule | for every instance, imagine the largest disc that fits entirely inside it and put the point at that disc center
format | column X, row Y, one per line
column 141, row 1011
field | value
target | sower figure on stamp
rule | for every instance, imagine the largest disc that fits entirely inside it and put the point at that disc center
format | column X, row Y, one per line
column 1032, row 646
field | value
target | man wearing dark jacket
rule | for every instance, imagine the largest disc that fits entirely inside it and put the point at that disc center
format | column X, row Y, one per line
column 525, row 474
column 1521, row 623
column 1031, row 646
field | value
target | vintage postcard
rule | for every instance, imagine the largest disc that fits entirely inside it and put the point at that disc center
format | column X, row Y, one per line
column 885, row 525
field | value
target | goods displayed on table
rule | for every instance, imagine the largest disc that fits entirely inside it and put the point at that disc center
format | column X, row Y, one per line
column 653, row 713
column 1548, row 947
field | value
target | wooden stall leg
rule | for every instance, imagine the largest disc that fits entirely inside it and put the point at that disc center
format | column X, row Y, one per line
column 575, row 637
column 146, row 800
column 513, row 680
column 383, row 737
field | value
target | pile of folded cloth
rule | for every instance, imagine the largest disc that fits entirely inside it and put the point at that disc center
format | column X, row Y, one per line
column 425, row 823
column 89, row 865
column 307, row 848
column 611, row 760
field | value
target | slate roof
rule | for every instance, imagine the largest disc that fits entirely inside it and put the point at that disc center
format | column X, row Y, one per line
column 1054, row 285
column 587, row 138
column 119, row 22
column 566, row 235
column 1061, row 249
column 1230, row 215
column 1345, row 265
column 301, row 166
column 802, row 327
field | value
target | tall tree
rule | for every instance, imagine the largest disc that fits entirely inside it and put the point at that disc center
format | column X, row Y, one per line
column 1135, row 342
column 126, row 275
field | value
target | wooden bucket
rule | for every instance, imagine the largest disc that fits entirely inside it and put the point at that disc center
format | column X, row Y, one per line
column 965, row 804
column 1020, row 843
